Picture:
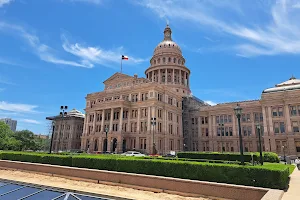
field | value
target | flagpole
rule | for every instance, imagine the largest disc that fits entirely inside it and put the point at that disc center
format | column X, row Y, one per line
column 121, row 64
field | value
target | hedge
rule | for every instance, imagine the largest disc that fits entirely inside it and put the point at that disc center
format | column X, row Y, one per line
column 267, row 156
column 270, row 175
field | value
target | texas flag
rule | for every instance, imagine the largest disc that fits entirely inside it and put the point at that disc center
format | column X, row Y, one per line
column 124, row 57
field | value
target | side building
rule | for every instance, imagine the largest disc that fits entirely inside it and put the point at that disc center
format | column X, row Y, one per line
column 67, row 131
column 277, row 113
column 143, row 114
column 11, row 123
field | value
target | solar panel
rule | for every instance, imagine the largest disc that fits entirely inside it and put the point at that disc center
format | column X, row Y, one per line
column 22, row 191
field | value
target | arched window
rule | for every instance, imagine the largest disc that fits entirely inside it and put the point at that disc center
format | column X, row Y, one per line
column 169, row 60
column 164, row 59
column 179, row 61
column 158, row 60
column 163, row 78
column 154, row 62
column 174, row 60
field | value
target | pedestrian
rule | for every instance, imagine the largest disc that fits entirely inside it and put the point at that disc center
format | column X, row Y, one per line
column 297, row 162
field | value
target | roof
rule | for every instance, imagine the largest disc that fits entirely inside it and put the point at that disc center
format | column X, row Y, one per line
column 72, row 113
column 291, row 84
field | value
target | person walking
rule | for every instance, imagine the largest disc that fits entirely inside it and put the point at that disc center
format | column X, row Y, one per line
column 297, row 162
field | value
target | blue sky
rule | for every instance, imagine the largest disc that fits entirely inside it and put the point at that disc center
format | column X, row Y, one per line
column 54, row 52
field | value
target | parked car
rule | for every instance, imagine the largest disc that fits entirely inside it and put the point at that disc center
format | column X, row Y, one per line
column 133, row 153
column 169, row 155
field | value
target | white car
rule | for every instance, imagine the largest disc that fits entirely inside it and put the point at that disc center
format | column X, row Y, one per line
column 133, row 153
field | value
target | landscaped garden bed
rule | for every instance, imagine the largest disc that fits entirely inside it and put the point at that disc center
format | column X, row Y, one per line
column 270, row 175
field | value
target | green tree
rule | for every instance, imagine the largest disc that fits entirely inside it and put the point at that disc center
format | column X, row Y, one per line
column 27, row 140
column 7, row 140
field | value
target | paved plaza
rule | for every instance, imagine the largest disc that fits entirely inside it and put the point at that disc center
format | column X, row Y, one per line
column 294, row 186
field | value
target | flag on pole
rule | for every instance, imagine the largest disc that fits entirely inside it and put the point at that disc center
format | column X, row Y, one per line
column 124, row 57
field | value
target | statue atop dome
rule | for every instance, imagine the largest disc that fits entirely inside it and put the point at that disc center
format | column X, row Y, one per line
column 167, row 33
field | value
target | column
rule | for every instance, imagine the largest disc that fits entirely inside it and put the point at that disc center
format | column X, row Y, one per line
column 287, row 118
column 184, row 78
column 166, row 75
column 84, row 125
column 265, row 121
column 234, row 126
column 139, row 96
column 210, row 132
column 87, row 124
column 111, row 119
column 173, row 77
column 129, row 98
column 94, row 122
column 121, row 119
column 149, row 119
column 159, row 76
column 180, row 77
column 270, row 120
column 138, row 120
column 102, row 122
column 253, row 126
column 128, row 124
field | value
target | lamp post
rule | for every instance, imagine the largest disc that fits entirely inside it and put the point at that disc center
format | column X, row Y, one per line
column 153, row 123
column 52, row 136
column 221, row 126
column 259, row 140
column 106, row 130
column 238, row 112
column 62, row 114
column 284, row 157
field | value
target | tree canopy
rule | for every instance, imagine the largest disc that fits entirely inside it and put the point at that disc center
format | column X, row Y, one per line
column 21, row 140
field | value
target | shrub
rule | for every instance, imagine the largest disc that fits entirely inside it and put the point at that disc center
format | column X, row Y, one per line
column 270, row 175
column 217, row 156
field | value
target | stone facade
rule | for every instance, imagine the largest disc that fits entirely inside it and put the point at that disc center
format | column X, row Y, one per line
column 277, row 112
column 129, row 104
column 120, row 117
column 67, row 131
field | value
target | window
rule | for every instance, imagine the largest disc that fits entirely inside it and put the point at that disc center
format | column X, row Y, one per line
column 243, row 118
column 293, row 111
column 282, row 127
column 217, row 120
column 248, row 117
column 225, row 118
column 256, row 117
column 229, row 119
column 274, row 112
column 244, row 131
column 295, row 127
column 230, row 131
column 276, row 127
column 280, row 111
column 299, row 110
column 221, row 119
column 164, row 60
column 249, row 131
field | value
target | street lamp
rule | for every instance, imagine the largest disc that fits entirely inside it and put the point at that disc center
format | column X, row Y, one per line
column 259, row 140
column 52, row 136
column 62, row 114
column 238, row 113
column 153, row 123
column 284, row 157
column 221, row 126
column 106, row 130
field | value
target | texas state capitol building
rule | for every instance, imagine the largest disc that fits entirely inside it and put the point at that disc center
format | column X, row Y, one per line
column 128, row 105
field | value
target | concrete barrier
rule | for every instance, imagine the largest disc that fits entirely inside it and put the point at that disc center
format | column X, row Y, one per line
column 152, row 183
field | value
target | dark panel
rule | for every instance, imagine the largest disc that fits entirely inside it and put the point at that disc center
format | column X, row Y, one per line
column 45, row 195
column 8, row 188
column 82, row 197
column 19, row 193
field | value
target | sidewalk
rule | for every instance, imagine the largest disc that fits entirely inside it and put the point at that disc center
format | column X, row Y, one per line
column 294, row 188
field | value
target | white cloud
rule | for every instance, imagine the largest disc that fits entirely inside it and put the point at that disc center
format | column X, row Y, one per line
column 3, row 2
column 30, row 121
column 281, row 34
column 44, row 52
column 90, row 55
column 210, row 103
column 5, row 81
column 19, row 108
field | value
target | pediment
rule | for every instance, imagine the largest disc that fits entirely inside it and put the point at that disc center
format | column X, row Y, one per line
column 116, row 77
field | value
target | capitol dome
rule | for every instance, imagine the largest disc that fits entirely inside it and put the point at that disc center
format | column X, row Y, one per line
column 167, row 45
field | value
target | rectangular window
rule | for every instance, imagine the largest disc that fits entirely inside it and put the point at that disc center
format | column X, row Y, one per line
column 249, row 131
column 280, row 111
column 243, row 118
column 274, row 112
column 261, row 117
column 225, row 118
column 295, row 127
column 206, row 120
column 248, row 117
column 217, row 120
column 221, row 119
column 229, row 119
column 293, row 111
column 282, row 127
column 299, row 110
column 230, row 131
column 256, row 117
column 244, row 131
column 276, row 127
